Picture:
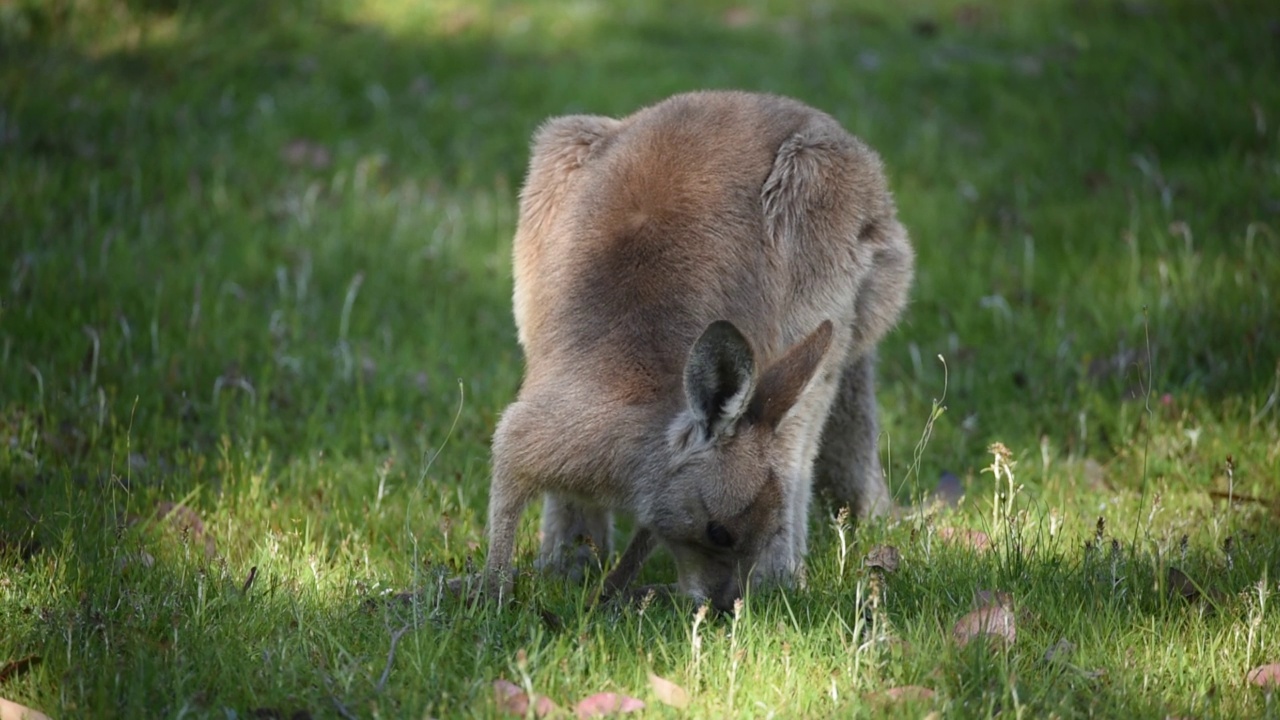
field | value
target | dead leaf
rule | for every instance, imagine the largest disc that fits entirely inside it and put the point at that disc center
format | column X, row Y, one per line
column 975, row 540
column 13, row 711
column 925, row 28
column 969, row 16
column 188, row 524
column 1265, row 676
column 606, row 703
column 904, row 693
column 1060, row 651
column 17, row 667
column 550, row 620
column 267, row 713
column 1179, row 585
column 949, row 490
column 514, row 701
column 986, row 598
column 300, row 152
column 739, row 17
column 668, row 693
column 992, row 620
column 884, row 557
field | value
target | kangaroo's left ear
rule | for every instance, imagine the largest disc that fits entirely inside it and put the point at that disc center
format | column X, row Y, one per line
column 781, row 384
column 718, row 378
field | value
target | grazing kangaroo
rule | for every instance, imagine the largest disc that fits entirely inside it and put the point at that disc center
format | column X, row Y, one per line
column 699, row 288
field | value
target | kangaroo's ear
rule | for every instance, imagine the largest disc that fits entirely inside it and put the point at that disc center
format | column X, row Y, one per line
column 781, row 384
column 718, row 378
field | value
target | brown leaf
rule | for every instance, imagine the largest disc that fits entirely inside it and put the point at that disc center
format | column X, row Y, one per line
column 1179, row 585
column 1060, row 651
column 1265, row 676
column 973, row 539
column 606, row 703
column 668, row 693
column 17, row 667
column 300, row 152
column 904, row 693
column 884, row 557
column 514, row 701
column 991, row 620
column 188, row 524
column 13, row 711
column 268, row 713
column 988, row 598
column 738, row 17
column 949, row 490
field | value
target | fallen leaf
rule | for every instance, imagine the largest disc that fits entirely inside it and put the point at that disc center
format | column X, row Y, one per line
column 668, row 693
column 972, row 539
column 924, row 27
column 949, row 490
column 514, row 701
column 969, row 16
column 992, row 620
column 266, row 713
column 17, row 667
column 13, row 711
column 1265, row 676
column 884, row 557
column 550, row 620
column 904, row 693
column 187, row 523
column 1060, row 651
column 738, row 17
column 606, row 703
column 305, row 152
column 1179, row 585
column 985, row 598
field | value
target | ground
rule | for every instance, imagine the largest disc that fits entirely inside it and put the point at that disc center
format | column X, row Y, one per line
column 255, row 333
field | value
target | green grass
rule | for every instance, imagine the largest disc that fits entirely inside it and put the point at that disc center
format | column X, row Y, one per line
column 256, row 260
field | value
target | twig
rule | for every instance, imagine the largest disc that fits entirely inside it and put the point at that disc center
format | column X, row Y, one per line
column 342, row 709
column 391, row 657
column 333, row 697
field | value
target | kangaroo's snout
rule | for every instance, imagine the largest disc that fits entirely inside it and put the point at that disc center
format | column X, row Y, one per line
column 726, row 595
column 722, row 591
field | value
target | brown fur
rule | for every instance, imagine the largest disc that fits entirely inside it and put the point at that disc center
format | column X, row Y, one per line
column 699, row 288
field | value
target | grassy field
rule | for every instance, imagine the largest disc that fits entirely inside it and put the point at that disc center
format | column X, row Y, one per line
column 255, row 334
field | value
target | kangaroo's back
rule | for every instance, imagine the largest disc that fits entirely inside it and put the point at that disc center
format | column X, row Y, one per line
column 659, row 230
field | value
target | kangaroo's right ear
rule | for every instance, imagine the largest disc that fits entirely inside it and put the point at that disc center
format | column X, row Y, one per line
column 783, row 381
column 719, row 377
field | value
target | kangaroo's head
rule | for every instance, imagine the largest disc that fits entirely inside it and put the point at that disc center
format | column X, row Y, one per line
column 723, row 500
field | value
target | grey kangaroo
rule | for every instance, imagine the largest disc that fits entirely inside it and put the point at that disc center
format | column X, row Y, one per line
column 699, row 290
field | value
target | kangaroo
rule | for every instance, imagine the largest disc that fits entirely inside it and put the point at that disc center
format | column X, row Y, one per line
column 699, row 289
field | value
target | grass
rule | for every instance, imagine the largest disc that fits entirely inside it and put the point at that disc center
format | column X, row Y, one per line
column 256, row 264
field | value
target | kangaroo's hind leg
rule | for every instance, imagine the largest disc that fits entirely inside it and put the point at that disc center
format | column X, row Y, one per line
column 848, row 470
column 577, row 538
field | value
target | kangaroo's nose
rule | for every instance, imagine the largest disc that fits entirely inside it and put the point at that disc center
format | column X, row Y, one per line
column 726, row 595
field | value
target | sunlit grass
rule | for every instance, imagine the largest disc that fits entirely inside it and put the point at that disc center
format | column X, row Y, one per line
column 255, row 261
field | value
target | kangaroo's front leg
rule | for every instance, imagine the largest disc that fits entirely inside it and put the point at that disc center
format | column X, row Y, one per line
column 638, row 550
column 506, row 503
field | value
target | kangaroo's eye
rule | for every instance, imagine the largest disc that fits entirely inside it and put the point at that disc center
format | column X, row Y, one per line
column 719, row 535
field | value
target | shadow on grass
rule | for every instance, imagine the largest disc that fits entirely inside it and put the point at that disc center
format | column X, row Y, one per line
column 201, row 141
